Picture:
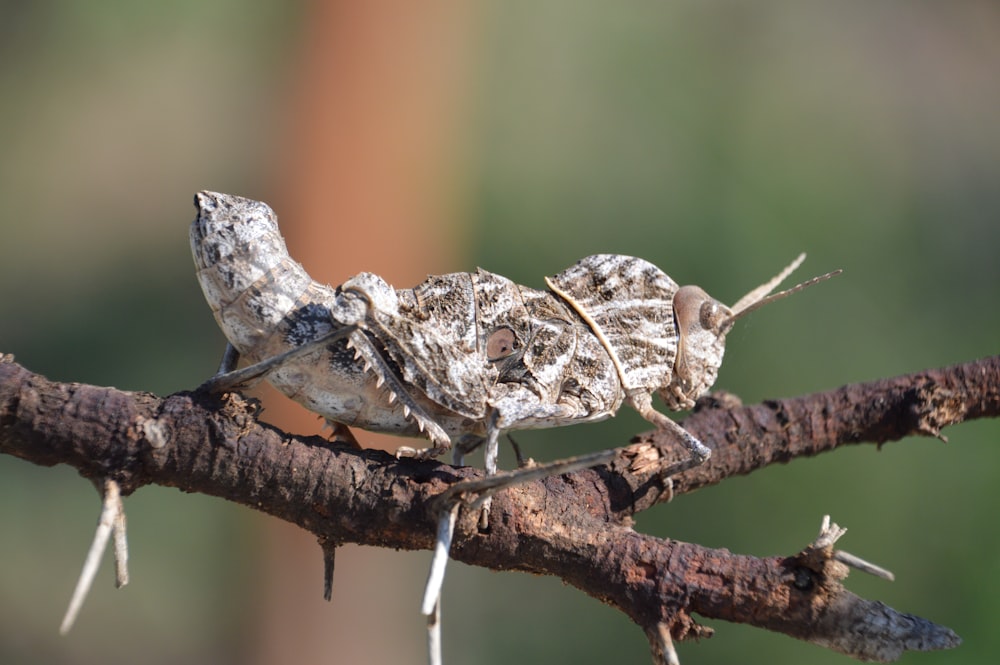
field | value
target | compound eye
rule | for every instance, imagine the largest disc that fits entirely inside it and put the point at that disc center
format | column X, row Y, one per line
column 711, row 315
column 501, row 343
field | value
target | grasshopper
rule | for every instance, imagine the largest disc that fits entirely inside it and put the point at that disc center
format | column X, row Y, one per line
column 462, row 357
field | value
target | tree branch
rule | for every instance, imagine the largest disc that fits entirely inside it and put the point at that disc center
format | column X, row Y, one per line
column 574, row 526
column 745, row 439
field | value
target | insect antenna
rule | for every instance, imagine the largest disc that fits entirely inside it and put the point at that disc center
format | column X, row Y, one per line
column 759, row 296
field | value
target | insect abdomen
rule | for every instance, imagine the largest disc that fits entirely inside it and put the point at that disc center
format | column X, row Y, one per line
column 249, row 280
column 266, row 303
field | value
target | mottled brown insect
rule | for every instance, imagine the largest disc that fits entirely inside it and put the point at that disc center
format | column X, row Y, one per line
column 463, row 357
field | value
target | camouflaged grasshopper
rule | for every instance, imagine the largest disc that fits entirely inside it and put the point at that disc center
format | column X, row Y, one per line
column 462, row 357
column 465, row 356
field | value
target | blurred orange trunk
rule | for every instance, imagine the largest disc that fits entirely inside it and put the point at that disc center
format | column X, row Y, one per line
column 368, row 180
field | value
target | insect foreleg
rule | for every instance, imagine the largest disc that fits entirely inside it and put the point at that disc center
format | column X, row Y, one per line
column 643, row 403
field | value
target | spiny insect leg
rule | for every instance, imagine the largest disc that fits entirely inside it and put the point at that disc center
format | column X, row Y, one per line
column 242, row 378
column 385, row 375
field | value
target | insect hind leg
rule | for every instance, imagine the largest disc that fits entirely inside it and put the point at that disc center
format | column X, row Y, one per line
column 385, row 375
column 229, row 378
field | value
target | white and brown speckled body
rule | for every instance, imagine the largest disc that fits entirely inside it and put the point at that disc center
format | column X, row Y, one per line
column 464, row 355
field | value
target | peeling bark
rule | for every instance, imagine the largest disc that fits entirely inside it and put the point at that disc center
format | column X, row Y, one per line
column 575, row 526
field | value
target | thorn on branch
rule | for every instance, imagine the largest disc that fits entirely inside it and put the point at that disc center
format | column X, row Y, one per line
column 821, row 551
column 475, row 493
column 863, row 565
column 442, row 545
column 434, row 635
column 864, row 629
column 661, row 645
column 329, row 563
column 112, row 521
column 827, row 614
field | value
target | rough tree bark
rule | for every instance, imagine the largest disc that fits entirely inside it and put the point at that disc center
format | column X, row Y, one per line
column 575, row 526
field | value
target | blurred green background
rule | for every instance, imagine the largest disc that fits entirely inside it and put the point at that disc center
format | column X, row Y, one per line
column 716, row 139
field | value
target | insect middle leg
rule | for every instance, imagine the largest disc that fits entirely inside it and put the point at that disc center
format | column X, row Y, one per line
column 469, row 443
column 490, row 463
